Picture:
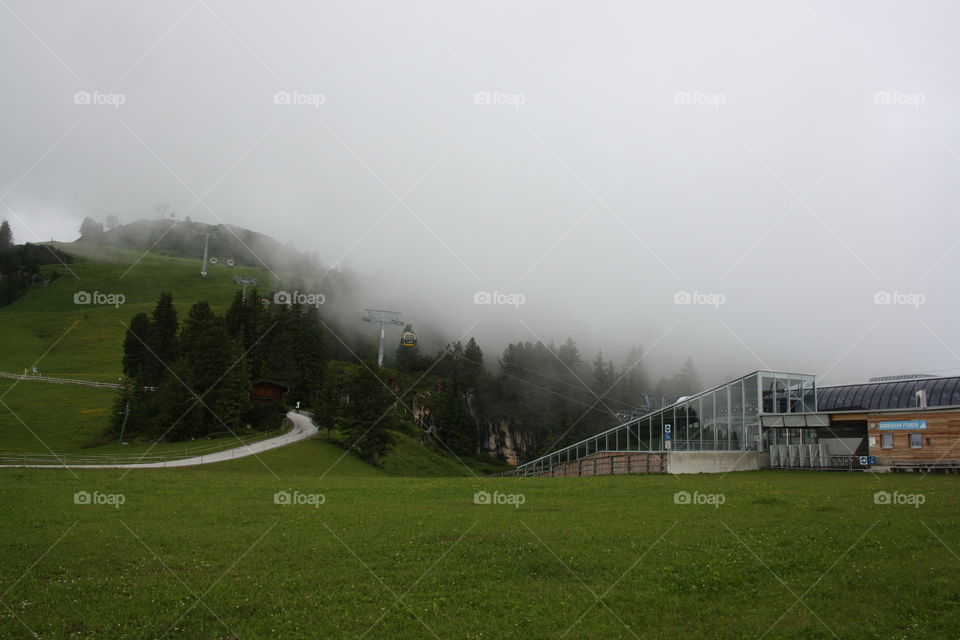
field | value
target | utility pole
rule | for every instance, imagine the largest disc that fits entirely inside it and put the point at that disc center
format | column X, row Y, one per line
column 381, row 317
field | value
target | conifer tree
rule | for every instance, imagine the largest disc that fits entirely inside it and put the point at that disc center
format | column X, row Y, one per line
column 369, row 417
column 472, row 364
column 232, row 395
column 135, row 352
column 162, row 340
column 601, row 381
column 6, row 236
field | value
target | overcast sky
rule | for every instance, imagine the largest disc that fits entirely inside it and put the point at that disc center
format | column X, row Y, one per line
column 783, row 163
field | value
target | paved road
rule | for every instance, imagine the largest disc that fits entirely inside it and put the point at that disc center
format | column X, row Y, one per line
column 302, row 429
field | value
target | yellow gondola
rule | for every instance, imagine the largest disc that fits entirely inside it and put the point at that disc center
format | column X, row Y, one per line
column 408, row 339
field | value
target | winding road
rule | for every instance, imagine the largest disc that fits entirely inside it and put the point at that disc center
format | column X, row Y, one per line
column 302, row 429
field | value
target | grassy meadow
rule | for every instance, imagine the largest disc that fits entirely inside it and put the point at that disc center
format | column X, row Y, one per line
column 208, row 553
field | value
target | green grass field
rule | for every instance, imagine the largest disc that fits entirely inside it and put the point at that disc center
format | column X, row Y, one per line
column 206, row 553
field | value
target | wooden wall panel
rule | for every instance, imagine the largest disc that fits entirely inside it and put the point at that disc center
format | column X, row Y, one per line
column 943, row 433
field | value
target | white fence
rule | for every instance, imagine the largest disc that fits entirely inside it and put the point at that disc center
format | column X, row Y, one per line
column 84, row 383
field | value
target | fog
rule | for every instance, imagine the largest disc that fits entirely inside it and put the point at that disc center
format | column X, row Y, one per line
column 792, row 166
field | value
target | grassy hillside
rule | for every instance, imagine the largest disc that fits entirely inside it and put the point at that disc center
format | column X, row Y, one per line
column 64, row 417
column 44, row 418
column 611, row 557
column 85, row 341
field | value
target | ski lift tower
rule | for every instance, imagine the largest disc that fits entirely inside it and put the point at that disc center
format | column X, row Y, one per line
column 382, row 317
column 206, row 247
column 245, row 281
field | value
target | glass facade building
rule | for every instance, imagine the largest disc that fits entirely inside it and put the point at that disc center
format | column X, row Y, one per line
column 729, row 417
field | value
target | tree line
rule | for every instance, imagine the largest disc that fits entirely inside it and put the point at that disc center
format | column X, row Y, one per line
column 193, row 379
column 20, row 265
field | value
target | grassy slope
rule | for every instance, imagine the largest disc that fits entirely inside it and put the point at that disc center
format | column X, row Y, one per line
column 63, row 417
column 474, row 571
column 86, row 342
column 78, row 341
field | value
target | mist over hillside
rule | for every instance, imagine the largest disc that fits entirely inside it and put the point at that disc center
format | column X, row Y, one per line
column 494, row 318
column 781, row 195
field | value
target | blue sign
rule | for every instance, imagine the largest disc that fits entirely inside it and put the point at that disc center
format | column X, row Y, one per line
column 903, row 425
column 868, row 460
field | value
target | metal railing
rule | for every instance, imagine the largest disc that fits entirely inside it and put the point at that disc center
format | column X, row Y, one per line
column 700, row 445
column 596, row 464
column 827, row 463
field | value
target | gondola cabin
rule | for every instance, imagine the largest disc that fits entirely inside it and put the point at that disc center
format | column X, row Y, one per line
column 408, row 339
column 267, row 392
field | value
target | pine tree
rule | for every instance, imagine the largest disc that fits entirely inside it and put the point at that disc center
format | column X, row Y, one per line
column 634, row 379
column 135, row 352
column 569, row 354
column 601, row 383
column 242, row 318
column 472, row 364
column 175, row 412
column 231, row 398
column 276, row 352
column 6, row 236
column 327, row 402
column 162, row 340
column 212, row 358
column 689, row 379
column 456, row 426
column 369, row 418
column 310, row 356
column 203, row 343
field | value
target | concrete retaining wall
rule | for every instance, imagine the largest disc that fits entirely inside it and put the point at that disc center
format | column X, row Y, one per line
column 713, row 461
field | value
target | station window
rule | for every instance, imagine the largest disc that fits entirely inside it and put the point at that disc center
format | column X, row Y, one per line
column 916, row 440
column 886, row 441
